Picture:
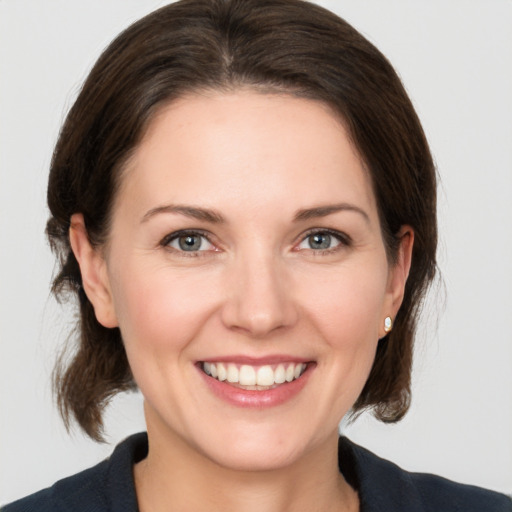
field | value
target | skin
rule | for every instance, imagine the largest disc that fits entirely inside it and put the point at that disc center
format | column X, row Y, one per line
column 256, row 288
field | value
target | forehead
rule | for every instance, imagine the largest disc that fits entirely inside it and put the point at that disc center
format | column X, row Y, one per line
column 247, row 148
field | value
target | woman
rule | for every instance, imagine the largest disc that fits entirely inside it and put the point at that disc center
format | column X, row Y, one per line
column 243, row 200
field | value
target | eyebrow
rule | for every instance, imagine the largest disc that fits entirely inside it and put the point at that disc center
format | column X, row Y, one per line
column 194, row 212
column 329, row 209
column 214, row 217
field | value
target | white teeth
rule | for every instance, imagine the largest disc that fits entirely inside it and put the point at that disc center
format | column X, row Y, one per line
column 233, row 374
column 279, row 375
column 265, row 376
column 247, row 375
column 221, row 372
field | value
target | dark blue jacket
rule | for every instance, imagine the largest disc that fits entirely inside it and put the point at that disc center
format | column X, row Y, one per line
column 382, row 486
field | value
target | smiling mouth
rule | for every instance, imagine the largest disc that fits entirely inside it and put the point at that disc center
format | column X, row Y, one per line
column 257, row 378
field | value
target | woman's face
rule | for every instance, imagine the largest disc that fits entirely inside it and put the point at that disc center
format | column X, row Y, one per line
column 245, row 243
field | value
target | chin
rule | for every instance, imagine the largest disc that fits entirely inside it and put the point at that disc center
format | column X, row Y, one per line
column 257, row 450
column 254, row 458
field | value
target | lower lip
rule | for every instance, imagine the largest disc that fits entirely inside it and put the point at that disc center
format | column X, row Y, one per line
column 250, row 398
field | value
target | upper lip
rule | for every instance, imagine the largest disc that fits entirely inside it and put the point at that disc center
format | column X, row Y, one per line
column 257, row 361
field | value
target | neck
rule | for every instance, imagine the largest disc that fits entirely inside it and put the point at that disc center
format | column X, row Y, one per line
column 174, row 476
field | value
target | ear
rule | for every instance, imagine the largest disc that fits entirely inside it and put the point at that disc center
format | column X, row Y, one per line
column 93, row 268
column 398, row 274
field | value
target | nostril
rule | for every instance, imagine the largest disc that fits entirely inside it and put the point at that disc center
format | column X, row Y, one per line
column 259, row 303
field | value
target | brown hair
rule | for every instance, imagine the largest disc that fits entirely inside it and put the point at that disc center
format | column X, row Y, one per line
column 289, row 46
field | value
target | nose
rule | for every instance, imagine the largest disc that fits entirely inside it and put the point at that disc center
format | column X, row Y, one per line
column 259, row 297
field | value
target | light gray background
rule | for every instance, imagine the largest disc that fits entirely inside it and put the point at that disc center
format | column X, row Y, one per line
column 455, row 58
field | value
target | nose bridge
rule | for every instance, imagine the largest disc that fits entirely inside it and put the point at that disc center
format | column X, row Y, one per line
column 259, row 301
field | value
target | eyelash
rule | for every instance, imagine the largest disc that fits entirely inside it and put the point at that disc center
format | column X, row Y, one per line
column 343, row 239
column 167, row 240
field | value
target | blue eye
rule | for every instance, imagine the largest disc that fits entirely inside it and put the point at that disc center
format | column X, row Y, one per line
column 321, row 241
column 188, row 242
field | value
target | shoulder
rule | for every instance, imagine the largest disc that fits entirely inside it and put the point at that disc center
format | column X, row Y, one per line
column 106, row 487
column 80, row 492
column 443, row 494
column 383, row 485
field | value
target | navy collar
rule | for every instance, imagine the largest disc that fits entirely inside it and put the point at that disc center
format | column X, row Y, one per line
column 381, row 485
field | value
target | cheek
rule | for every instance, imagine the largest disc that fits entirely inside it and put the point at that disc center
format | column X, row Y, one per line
column 346, row 310
column 346, row 306
column 157, row 309
column 350, row 332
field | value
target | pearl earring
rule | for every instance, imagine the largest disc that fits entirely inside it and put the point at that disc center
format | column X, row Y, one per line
column 388, row 324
